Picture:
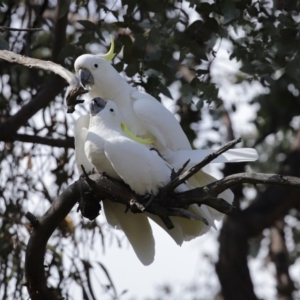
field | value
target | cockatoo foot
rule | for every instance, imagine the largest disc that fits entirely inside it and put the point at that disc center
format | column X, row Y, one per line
column 147, row 199
column 143, row 203
column 89, row 203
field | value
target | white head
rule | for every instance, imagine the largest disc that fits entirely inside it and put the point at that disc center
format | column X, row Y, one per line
column 105, row 114
column 96, row 74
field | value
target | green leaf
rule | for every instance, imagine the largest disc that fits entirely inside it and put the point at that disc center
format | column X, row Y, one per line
column 156, row 6
column 188, row 98
column 292, row 71
column 205, row 8
column 183, row 53
column 67, row 51
column 140, row 41
column 3, row 44
column 87, row 24
column 64, row 8
column 247, row 68
column 120, row 24
column 164, row 90
column 84, row 39
column 201, row 71
column 229, row 11
column 81, row 2
column 209, row 93
column 132, row 69
column 127, row 50
column 154, row 36
column 153, row 56
column 119, row 66
column 115, row 14
column 200, row 104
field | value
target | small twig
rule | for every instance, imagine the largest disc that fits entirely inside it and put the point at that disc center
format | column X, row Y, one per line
column 90, row 182
column 176, row 174
column 255, row 178
column 180, row 212
column 167, row 222
column 209, row 158
column 34, row 221
column 71, row 97
column 196, row 168
column 4, row 28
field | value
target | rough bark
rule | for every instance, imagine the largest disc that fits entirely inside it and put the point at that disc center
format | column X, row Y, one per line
column 263, row 213
column 240, row 227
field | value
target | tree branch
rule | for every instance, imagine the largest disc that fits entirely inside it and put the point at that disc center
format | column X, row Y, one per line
column 36, row 248
column 38, row 64
column 73, row 91
column 4, row 28
column 41, row 100
column 113, row 190
column 48, row 90
column 194, row 169
column 35, row 139
column 279, row 255
column 273, row 205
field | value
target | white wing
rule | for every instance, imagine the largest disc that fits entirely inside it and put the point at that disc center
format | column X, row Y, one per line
column 179, row 157
column 142, row 169
column 184, row 229
column 136, row 228
column 167, row 130
column 80, row 133
column 159, row 121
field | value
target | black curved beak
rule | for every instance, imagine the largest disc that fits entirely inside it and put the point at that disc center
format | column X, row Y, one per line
column 85, row 77
column 96, row 105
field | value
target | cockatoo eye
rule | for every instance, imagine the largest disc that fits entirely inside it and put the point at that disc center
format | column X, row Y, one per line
column 111, row 109
column 95, row 65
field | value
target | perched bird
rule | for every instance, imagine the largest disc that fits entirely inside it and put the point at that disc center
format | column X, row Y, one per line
column 108, row 149
column 147, row 121
column 146, row 117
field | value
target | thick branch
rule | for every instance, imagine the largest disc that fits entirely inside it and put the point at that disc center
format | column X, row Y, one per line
column 243, row 225
column 35, row 252
column 41, row 100
column 48, row 90
column 279, row 255
column 113, row 190
column 38, row 64
column 73, row 91
column 35, row 139
column 212, row 190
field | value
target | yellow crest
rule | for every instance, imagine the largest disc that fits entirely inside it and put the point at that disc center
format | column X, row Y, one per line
column 110, row 54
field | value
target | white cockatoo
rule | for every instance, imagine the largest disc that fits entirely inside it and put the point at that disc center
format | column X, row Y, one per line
column 146, row 117
column 148, row 120
column 107, row 148
column 103, row 142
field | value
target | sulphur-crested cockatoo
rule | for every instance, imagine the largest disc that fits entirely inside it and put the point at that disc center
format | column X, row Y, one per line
column 146, row 117
column 108, row 149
